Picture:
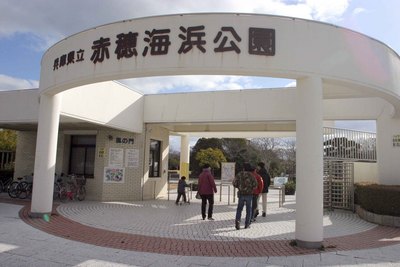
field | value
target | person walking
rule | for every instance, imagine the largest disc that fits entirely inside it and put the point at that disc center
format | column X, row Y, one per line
column 206, row 189
column 181, row 190
column 245, row 182
column 256, row 194
column 262, row 171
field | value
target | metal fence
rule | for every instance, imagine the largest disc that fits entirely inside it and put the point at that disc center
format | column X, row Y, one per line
column 7, row 159
column 342, row 148
column 351, row 145
column 338, row 185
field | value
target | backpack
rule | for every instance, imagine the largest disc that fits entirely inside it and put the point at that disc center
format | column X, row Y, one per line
column 245, row 182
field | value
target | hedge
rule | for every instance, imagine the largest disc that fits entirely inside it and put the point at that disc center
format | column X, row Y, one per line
column 378, row 199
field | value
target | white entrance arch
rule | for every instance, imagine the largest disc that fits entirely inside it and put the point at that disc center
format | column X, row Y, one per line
column 324, row 59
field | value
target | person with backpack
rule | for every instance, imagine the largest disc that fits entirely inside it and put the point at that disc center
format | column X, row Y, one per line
column 245, row 182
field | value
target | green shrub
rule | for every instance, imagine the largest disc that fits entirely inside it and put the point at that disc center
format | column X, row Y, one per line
column 290, row 188
column 378, row 199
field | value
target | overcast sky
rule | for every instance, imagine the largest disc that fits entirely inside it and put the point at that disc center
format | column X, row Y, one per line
column 30, row 27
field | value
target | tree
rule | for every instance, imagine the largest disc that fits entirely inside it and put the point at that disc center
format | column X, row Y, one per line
column 240, row 150
column 288, row 156
column 174, row 160
column 237, row 150
column 267, row 148
column 341, row 147
column 274, row 168
column 202, row 143
column 211, row 156
column 8, row 140
column 279, row 154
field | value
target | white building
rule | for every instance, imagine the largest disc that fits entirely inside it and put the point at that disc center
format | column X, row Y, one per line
column 80, row 121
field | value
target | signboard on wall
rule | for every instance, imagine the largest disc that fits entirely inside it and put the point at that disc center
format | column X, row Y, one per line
column 101, row 152
column 132, row 158
column 114, row 175
column 227, row 172
column 116, row 157
column 396, row 140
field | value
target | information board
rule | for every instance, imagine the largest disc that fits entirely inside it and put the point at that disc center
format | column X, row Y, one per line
column 227, row 172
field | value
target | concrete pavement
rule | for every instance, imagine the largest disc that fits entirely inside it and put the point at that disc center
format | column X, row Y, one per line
column 159, row 233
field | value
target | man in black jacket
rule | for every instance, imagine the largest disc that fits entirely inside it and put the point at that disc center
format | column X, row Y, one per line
column 262, row 171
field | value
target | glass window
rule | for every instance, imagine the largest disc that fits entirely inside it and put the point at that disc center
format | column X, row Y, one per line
column 155, row 158
column 83, row 149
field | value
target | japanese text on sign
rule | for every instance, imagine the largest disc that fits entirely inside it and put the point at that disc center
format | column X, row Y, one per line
column 157, row 42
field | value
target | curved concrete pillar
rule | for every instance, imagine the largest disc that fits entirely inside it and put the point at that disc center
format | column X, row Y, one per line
column 388, row 147
column 309, row 163
column 45, row 157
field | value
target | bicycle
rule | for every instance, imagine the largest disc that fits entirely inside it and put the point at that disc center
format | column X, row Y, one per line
column 24, row 188
column 58, row 186
column 5, row 184
column 12, row 189
column 75, row 189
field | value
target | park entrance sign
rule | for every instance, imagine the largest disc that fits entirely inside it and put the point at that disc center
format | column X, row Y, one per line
column 182, row 44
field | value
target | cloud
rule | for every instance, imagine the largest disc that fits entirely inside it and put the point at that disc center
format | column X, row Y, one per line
column 363, row 125
column 11, row 83
column 189, row 83
column 195, row 83
column 359, row 10
column 48, row 21
column 328, row 11
column 291, row 84
column 52, row 20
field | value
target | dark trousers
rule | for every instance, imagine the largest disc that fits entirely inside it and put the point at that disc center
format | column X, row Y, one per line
column 204, row 199
column 179, row 196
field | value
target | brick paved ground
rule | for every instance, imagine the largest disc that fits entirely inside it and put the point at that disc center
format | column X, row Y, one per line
column 161, row 227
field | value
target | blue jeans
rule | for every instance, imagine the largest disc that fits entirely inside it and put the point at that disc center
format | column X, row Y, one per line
column 242, row 200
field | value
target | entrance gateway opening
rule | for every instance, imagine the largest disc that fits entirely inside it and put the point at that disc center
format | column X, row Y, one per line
column 331, row 83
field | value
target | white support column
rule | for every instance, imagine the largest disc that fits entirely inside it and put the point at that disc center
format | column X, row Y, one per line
column 185, row 155
column 45, row 156
column 387, row 149
column 309, row 163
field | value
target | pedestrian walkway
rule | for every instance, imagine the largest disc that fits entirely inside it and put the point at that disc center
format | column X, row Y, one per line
column 169, row 235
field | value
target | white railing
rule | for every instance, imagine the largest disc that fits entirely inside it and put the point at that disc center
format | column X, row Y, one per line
column 351, row 145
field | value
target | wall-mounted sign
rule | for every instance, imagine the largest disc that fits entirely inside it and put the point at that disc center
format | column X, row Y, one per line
column 396, row 140
column 102, row 151
column 123, row 140
column 116, row 157
column 132, row 158
column 113, row 175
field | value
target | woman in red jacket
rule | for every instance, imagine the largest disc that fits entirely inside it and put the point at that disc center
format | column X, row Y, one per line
column 256, row 194
column 206, row 189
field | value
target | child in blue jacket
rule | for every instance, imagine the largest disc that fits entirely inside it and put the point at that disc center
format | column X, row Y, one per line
column 181, row 190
